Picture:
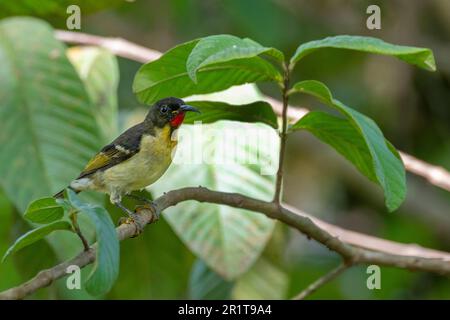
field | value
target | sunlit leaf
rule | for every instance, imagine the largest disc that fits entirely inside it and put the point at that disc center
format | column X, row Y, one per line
column 99, row 71
column 168, row 75
column 48, row 130
column 263, row 281
column 222, row 48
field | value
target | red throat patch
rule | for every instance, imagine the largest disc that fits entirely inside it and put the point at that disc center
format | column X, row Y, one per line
column 178, row 120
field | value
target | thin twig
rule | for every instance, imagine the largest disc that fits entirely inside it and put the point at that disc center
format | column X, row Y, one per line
column 435, row 175
column 322, row 281
column 439, row 265
column 283, row 136
column 73, row 218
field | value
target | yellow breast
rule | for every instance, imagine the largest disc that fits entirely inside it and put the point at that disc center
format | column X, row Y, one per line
column 144, row 168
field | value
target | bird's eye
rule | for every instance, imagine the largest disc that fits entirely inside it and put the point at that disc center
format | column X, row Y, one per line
column 164, row 109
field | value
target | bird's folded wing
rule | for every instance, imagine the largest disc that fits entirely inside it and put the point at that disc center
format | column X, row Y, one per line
column 121, row 149
column 109, row 156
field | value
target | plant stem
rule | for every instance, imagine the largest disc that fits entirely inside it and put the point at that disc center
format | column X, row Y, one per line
column 283, row 135
column 76, row 227
column 322, row 281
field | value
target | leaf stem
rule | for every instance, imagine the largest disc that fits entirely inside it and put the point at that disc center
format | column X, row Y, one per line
column 73, row 218
column 283, row 134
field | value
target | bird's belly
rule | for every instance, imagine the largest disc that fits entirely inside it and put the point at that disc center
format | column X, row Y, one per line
column 141, row 170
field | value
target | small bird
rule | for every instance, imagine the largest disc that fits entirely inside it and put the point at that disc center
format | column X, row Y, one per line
column 137, row 158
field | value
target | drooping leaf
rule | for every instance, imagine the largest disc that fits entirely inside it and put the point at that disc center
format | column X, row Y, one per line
column 342, row 136
column 168, row 75
column 204, row 283
column 106, row 267
column 226, row 156
column 99, row 71
column 385, row 166
column 44, row 210
column 222, row 48
column 36, row 234
column 421, row 57
column 48, row 130
column 212, row 111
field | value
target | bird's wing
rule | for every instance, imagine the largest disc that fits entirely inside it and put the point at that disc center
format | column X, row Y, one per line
column 121, row 149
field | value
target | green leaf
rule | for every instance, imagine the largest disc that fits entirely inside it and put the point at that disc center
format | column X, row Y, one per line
column 263, row 281
column 44, row 210
column 223, row 48
column 48, row 130
column 342, row 136
column 204, row 284
column 385, row 166
column 106, row 267
column 421, row 57
column 168, row 76
column 226, row 156
column 99, row 71
column 212, row 111
column 35, row 235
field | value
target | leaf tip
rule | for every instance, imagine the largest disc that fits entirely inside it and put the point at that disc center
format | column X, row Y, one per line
column 193, row 75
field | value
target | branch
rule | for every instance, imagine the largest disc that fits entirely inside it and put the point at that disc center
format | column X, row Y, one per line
column 435, row 175
column 322, row 281
column 351, row 254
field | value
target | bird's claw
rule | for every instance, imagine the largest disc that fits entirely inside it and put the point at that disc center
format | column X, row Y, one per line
column 149, row 206
column 135, row 221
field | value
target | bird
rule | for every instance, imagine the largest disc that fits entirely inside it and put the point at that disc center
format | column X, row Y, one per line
column 136, row 158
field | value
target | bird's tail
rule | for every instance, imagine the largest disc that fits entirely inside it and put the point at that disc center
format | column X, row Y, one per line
column 60, row 194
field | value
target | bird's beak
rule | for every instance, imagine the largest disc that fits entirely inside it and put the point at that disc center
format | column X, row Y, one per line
column 186, row 107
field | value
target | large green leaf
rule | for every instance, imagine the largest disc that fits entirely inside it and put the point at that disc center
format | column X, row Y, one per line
column 168, row 75
column 222, row 48
column 342, row 136
column 212, row 111
column 37, row 234
column 226, row 156
column 48, row 129
column 204, row 283
column 381, row 164
column 44, row 210
column 106, row 267
column 263, row 281
column 99, row 71
column 421, row 57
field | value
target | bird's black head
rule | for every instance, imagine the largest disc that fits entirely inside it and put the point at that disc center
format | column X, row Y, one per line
column 168, row 111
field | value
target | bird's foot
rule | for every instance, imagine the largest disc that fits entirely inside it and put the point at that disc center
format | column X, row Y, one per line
column 135, row 220
column 149, row 205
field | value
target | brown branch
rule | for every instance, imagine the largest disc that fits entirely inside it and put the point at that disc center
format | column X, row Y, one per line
column 435, row 175
column 322, row 281
column 351, row 254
